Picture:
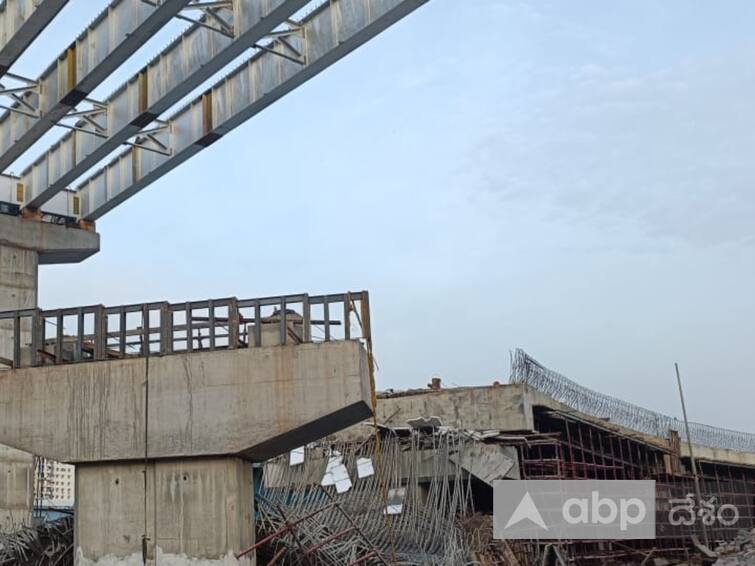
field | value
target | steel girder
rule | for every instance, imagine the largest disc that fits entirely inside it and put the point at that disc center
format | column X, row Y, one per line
column 329, row 33
column 107, row 42
column 184, row 65
column 21, row 21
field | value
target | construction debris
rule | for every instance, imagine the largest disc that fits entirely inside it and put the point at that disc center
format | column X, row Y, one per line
column 48, row 544
column 739, row 552
column 405, row 494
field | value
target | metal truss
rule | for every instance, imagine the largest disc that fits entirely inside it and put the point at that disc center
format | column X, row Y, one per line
column 327, row 34
column 106, row 43
column 224, row 31
column 21, row 21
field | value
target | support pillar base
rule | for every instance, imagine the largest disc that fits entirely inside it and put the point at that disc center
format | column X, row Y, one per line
column 16, row 494
column 197, row 512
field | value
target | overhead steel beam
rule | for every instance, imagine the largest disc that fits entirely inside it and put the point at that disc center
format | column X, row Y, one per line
column 106, row 43
column 21, row 21
column 184, row 65
column 326, row 35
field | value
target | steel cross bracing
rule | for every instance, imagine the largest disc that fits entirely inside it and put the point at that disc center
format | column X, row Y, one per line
column 21, row 21
column 324, row 36
column 122, row 28
column 225, row 31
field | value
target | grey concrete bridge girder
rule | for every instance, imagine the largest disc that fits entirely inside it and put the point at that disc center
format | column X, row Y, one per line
column 255, row 403
column 104, row 45
column 326, row 35
column 21, row 21
column 181, row 67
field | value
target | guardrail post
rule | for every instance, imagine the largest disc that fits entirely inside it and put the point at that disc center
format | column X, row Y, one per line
column 189, row 329
column 100, row 333
column 306, row 332
column 78, row 350
column 257, row 324
column 211, row 322
column 283, row 322
column 59, row 338
column 365, row 307
column 145, row 331
column 122, row 332
column 233, row 323
column 347, row 316
column 166, row 329
column 37, row 336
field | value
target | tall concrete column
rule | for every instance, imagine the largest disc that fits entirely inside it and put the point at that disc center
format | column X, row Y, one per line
column 18, row 290
column 197, row 512
column 24, row 245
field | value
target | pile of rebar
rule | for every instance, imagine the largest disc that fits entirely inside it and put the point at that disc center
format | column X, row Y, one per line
column 405, row 512
column 47, row 544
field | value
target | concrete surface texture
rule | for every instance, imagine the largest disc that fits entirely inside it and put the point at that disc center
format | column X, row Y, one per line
column 251, row 402
column 197, row 512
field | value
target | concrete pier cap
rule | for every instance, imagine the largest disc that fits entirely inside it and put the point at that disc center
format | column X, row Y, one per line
column 53, row 243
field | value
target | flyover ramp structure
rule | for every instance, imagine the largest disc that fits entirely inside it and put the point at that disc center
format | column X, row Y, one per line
column 163, row 406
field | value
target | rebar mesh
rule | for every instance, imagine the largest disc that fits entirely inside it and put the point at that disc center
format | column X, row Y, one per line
column 527, row 370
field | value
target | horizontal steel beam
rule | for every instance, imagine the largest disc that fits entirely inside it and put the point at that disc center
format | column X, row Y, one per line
column 21, row 21
column 64, row 203
column 181, row 67
column 107, row 42
column 329, row 33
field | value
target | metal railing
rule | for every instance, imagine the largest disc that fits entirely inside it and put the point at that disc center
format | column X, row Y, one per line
column 35, row 337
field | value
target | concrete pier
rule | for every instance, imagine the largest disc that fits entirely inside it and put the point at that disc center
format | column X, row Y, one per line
column 196, row 511
column 24, row 245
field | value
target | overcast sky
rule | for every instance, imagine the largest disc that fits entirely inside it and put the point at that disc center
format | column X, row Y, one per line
column 573, row 178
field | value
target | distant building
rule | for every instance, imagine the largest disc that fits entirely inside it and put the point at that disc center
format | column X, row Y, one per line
column 54, row 484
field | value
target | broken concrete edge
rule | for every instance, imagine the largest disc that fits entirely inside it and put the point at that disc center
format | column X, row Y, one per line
column 54, row 243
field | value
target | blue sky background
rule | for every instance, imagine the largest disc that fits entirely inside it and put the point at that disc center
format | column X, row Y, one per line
column 574, row 178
